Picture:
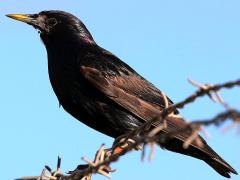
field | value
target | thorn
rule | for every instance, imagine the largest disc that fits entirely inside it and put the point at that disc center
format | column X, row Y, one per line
column 48, row 168
column 193, row 137
column 153, row 146
column 143, row 152
column 104, row 173
column 166, row 104
column 43, row 174
column 85, row 159
column 227, row 128
column 219, row 97
column 205, row 132
column 216, row 99
column 59, row 162
column 158, row 129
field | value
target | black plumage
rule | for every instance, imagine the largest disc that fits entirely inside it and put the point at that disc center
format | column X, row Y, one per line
column 103, row 92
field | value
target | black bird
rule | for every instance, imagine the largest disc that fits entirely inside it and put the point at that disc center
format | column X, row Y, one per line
column 103, row 92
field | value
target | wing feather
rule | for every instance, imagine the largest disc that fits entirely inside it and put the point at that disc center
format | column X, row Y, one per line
column 112, row 88
column 120, row 83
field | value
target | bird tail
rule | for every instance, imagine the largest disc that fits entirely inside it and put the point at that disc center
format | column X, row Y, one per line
column 220, row 165
column 205, row 153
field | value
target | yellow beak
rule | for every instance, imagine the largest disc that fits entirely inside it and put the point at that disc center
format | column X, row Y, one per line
column 19, row 17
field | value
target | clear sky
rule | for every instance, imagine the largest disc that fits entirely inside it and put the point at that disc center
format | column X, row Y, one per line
column 165, row 41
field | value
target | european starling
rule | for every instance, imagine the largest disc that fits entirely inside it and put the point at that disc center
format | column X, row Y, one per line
column 103, row 92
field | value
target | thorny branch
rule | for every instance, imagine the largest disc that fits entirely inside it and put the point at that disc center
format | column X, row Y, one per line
column 104, row 157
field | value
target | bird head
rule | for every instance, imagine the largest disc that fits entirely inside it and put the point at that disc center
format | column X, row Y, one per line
column 56, row 25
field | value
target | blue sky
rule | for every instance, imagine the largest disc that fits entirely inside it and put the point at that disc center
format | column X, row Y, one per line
column 165, row 41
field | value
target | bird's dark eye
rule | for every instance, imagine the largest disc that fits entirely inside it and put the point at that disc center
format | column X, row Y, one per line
column 51, row 22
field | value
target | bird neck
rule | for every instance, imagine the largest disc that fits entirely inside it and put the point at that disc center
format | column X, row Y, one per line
column 69, row 44
column 65, row 52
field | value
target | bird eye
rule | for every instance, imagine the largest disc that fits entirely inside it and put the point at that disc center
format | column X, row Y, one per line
column 51, row 22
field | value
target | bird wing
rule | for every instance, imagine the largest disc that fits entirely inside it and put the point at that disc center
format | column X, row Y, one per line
column 127, row 91
column 122, row 89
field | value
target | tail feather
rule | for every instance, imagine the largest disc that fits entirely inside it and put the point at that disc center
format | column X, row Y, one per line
column 221, row 167
column 217, row 163
column 205, row 153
